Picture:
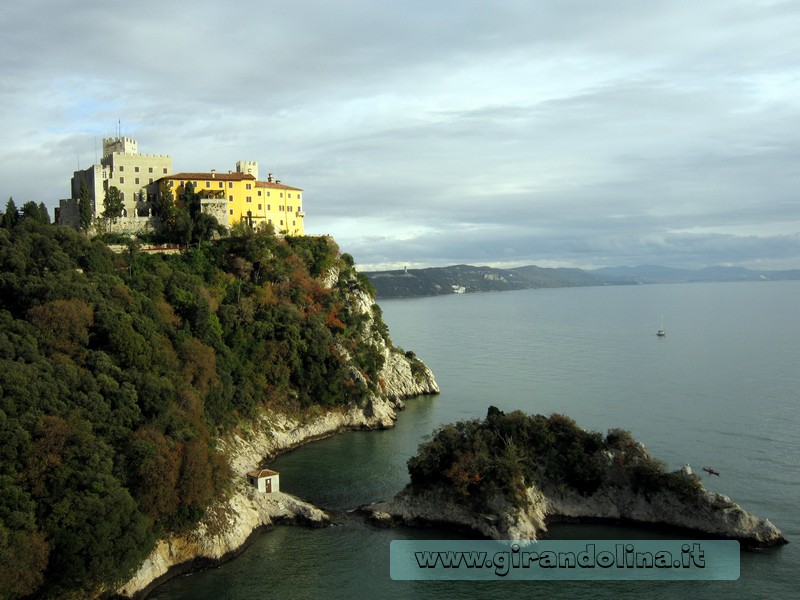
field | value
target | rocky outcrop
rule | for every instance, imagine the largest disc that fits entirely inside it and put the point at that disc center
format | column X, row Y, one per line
column 617, row 499
column 405, row 378
column 708, row 513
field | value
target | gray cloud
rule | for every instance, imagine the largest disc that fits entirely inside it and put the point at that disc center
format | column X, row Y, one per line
column 567, row 132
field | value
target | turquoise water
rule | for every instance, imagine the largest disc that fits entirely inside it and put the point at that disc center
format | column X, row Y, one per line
column 721, row 390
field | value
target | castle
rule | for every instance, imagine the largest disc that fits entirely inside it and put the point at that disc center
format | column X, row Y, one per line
column 231, row 197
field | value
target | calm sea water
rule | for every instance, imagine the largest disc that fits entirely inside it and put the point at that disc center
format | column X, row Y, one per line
column 721, row 389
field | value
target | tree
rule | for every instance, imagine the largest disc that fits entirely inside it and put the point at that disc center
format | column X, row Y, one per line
column 204, row 227
column 11, row 216
column 63, row 324
column 191, row 200
column 85, row 208
column 44, row 214
column 112, row 204
column 23, row 555
column 36, row 212
column 164, row 201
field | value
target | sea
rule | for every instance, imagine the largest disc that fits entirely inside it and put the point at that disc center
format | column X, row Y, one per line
column 720, row 389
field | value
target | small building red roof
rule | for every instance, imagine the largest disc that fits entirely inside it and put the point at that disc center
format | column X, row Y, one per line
column 235, row 176
column 259, row 473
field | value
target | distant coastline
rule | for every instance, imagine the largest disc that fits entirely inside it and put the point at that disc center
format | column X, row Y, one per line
column 464, row 279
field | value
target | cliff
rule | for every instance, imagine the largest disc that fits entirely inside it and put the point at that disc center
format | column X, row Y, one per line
column 570, row 474
column 228, row 525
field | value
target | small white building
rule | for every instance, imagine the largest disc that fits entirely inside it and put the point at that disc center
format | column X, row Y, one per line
column 264, row 480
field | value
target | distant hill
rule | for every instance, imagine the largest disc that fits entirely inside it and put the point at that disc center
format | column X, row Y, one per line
column 656, row 274
column 461, row 279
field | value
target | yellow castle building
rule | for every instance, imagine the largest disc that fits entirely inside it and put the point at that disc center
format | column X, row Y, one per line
column 247, row 198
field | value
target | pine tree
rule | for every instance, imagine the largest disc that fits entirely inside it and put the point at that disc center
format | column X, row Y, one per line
column 11, row 216
column 112, row 204
column 85, row 208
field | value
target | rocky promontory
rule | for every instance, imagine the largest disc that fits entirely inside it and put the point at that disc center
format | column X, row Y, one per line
column 509, row 476
column 229, row 524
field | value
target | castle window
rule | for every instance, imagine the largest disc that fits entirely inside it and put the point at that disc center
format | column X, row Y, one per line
column 221, row 184
column 249, row 186
column 122, row 180
column 290, row 194
column 269, row 207
column 121, row 168
column 150, row 169
column 231, row 211
column 136, row 180
column 280, row 208
column 259, row 192
column 165, row 170
column 136, row 169
column 267, row 193
column 230, row 198
column 289, row 208
column 249, row 199
column 230, row 184
column 259, row 207
column 208, row 184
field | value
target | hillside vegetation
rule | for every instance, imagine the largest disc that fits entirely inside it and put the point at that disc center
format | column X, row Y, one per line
column 508, row 453
column 119, row 371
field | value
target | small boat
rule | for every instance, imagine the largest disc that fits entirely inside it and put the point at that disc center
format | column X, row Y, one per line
column 661, row 332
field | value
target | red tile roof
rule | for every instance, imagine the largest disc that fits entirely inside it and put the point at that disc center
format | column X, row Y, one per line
column 236, row 176
column 276, row 186
column 206, row 176
column 261, row 473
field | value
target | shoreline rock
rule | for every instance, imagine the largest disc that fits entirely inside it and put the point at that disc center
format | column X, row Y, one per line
column 181, row 554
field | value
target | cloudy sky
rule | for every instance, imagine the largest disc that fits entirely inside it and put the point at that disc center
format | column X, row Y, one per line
column 425, row 133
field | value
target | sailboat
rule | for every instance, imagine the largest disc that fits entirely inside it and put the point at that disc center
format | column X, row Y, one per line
column 661, row 332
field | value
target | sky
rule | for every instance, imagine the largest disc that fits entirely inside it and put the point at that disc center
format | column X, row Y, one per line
column 427, row 133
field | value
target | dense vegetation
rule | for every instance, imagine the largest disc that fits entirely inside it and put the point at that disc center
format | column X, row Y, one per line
column 507, row 453
column 118, row 372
